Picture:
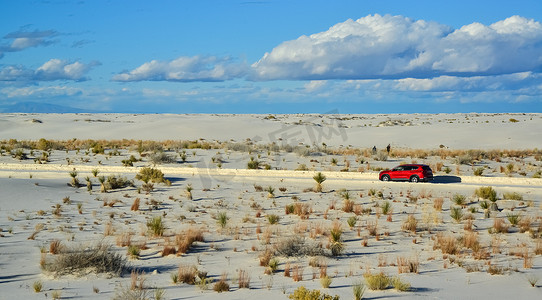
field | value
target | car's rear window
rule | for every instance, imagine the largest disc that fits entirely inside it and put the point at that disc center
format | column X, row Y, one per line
column 426, row 168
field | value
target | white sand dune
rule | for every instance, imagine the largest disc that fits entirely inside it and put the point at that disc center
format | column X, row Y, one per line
column 31, row 192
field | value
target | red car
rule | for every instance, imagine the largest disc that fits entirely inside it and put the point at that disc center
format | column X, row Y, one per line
column 410, row 172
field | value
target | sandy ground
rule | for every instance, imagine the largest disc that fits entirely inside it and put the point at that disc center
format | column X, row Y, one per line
column 31, row 192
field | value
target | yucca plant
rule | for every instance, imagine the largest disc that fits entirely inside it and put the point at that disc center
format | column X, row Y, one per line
column 459, row 199
column 189, row 191
column 103, row 188
column 270, row 192
column 514, row 219
column 75, row 181
column 352, row 221
column 319, row 178
column 358, row 290
column 222, row 219
column 456, row 213
column 156, row 226
column 386, row 207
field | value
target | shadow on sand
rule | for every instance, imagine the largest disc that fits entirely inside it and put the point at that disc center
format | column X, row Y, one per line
column 446, row 179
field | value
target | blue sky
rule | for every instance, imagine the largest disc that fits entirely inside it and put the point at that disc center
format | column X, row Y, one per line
column 273, row 56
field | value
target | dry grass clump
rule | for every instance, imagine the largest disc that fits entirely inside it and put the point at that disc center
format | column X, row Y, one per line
column 297, row 273
column 303, row 210
column 55, row 247
column 98, row 259
column 446, row 243
column 499, row 226
column 187, row 274
column 135, row 205
column 437, row 203
column 410, row 224
column 125, row 239
column 221, row 285
column 186, row 239
column 243, row 279
column 405, row 265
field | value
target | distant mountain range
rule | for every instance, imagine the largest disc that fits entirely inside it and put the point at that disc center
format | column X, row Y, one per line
column 35, row 107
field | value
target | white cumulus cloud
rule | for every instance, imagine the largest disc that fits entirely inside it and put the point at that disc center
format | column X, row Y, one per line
column 186, row 69
column 54, row 69
column 381, row 47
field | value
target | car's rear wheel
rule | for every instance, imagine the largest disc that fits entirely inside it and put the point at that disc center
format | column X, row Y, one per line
column 386, row 178
column 414, row 178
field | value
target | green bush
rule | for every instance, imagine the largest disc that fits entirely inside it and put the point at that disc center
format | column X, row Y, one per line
column 378, row 281
column 478, row 171
column 253, row 164
column 301, row 293
column 513, row 196
column 151, row 175
column 486, row 193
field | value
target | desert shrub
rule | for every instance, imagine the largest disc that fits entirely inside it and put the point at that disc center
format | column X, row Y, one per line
column 156, row 226
column 378, row 281
column 19, row 154
column 400, row 285
column 465, row 159
column 273, row 219
column 253, row 164
column 117, row 182
column 297, row 246
column 381, row 155
column 301, row 293
column 478, row 171
column 150, row 175
column 513, row 196
column 162, row 158
column 302, row 167
column 325, row 281
column 133, row 251
column 98, row 259
column 486, row 193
